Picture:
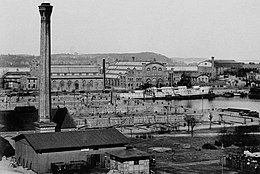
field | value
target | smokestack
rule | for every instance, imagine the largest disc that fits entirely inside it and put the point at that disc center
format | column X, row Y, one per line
column 104, row 73
column 212, row 68
column 44, row 123
column 133, row 58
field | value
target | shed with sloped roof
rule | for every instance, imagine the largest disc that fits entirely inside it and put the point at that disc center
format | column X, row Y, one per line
column 129, row 160
column 38, row 151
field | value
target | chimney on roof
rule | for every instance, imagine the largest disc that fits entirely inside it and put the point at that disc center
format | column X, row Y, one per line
column 133, row 58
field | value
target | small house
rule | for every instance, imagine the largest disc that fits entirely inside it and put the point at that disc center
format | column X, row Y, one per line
column 129, row 160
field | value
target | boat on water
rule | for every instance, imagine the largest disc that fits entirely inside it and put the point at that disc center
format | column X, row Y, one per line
column 228, row 94
column 136, row 94
column 196, row 92
column 179, row 93
column 237, row 93
column 254, row 92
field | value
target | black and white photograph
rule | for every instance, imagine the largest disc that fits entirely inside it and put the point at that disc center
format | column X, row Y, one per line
column 129, row 87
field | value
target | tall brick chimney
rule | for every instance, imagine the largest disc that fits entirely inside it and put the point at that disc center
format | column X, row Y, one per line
column 44, row 123
column 104, row 74
column 212, row 68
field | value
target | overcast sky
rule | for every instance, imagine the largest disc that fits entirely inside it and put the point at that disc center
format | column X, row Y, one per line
column 176, row 28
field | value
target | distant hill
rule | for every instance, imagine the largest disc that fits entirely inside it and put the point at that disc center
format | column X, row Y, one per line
column 192, row 60
column 144, row 56
column 15, row 60
column 25, row 60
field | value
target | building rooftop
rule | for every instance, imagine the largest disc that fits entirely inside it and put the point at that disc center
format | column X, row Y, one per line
column 115, row 71
column 112, row 76
column 99, row 76
column 74, row 69
column 132, row 63
column 114, row 67
column 182, row 68
column 74, row 140
column 129, row 154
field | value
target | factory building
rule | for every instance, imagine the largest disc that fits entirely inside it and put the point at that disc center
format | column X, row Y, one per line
column 213, row 67
column 63, row 78
column 133, row 74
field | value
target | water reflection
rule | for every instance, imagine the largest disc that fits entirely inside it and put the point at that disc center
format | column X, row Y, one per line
column 220, row 102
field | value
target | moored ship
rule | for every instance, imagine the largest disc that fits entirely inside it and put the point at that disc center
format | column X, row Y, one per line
column 196, row 92
column 137, row 94
column 179, row 93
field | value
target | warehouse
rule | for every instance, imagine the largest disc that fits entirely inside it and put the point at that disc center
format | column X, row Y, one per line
column 38, row 151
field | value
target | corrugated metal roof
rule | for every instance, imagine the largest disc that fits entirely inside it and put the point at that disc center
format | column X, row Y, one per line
column 113, row 67
column 74, row 140
column 128, row 153
column 73, row 65
column 115, row 72
column 130, row 63
column 77, row 77
column 112, row 76
column 185, row 68
column 74, row 69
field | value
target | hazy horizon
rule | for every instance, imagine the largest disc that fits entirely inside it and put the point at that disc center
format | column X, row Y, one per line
column 225, row 29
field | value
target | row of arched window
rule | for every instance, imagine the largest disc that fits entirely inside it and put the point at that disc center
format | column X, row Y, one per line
column 154, row 68
column 75, row 85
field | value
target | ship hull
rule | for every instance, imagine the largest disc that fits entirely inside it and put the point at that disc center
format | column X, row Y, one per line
column 183, row 97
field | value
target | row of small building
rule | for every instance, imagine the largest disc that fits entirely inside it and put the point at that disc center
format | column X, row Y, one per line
column 121, row 75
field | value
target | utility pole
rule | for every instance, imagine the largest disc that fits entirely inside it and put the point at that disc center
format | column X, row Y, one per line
column 210, row 119
column 127, row 105
column 202, row 104
column 74, row 99
column 115, row 104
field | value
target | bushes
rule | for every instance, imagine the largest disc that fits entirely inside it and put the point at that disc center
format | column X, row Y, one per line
column 238, row 136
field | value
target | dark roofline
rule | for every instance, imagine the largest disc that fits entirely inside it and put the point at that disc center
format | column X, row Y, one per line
column 129, row 155
column 130, row 158
column 108, row 144
column 79, row 148
column 21, row 136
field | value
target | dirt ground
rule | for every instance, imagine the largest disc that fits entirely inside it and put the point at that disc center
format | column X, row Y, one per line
column 186, row 156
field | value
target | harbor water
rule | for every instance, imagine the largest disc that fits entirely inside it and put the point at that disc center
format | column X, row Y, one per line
column 220, row 102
